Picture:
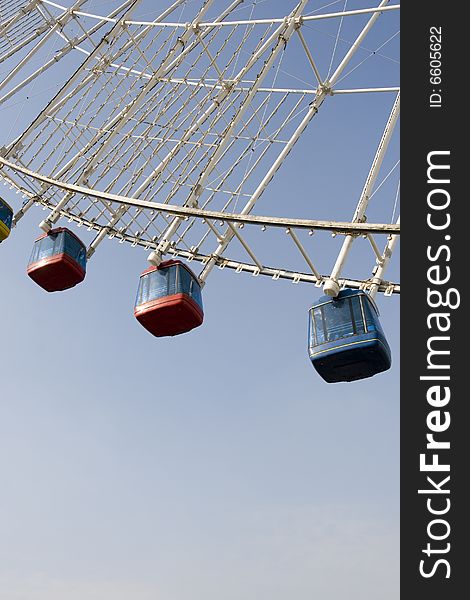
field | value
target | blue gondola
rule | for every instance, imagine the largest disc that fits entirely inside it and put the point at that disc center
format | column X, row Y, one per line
column 6, row 217
column 169, row 300
column 346, row 340
column 58, row 260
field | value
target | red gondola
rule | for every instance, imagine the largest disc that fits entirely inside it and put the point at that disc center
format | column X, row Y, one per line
column 58, row 260
column 169, row 300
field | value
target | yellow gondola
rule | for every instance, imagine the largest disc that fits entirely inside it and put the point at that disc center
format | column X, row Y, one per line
column 6, row 217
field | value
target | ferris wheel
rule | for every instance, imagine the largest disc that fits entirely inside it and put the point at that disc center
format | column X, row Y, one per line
column 169, row 130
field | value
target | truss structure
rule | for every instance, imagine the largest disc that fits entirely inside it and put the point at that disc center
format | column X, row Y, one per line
column 168, row 131
column 28, row 27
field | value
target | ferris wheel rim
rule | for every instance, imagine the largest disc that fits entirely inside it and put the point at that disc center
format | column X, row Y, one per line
column 340, row 227
column 388, row 288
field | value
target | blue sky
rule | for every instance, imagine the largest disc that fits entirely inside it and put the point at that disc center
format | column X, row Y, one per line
column 214, row 464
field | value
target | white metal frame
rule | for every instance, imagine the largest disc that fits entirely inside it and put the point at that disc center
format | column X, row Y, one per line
column 209, row 120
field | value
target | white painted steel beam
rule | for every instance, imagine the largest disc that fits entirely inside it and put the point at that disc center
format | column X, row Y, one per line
column 382, row 264
column 332, row 286
column 335, row 15
column 341, row 227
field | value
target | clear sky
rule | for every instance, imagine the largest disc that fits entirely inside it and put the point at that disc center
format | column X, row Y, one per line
column 211, row 465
